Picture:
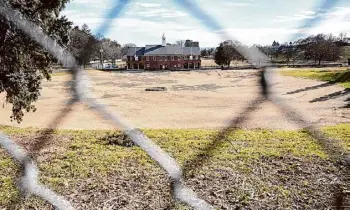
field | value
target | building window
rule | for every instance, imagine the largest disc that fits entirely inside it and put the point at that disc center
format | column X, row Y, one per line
column 147, row 58
column 179, row 65
column 179, row 58
column 160, row 58
column 172, row 58
column 165, row 58
column 147, row 65
column 185, row 58
column 154, row 58
column 175, row 66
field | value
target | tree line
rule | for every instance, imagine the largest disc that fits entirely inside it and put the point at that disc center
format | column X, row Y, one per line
column 85, row 46
column 316, row 48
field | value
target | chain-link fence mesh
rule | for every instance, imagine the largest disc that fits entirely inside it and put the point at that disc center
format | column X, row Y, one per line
column 80, row 89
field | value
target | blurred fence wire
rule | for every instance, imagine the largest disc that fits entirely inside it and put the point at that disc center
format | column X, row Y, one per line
column 81, row 93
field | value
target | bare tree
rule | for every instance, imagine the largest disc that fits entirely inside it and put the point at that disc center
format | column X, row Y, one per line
column 288, row 50
column 320, row 48
column 342, row 37
column 125, row 47
column 112, row 49
column 180, row 42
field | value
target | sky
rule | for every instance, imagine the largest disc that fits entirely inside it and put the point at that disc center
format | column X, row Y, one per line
column 248, row 21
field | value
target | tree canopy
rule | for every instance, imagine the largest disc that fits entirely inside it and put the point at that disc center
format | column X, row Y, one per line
column 83, row 45
column 225, row 53
column 320, row 48
column 24, row 63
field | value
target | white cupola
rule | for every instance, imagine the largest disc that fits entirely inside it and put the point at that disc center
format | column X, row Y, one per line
column 163, row 40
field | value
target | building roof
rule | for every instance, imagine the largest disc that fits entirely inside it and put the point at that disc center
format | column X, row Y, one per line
column 150, row 50
column 135, row 50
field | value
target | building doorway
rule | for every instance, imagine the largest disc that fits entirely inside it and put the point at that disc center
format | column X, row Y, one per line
column 185, row 65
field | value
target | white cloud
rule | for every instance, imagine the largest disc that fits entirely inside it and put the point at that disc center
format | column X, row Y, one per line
column 302, row 15
column 144, row 22
column 250, row 36
column 158, row 12
column 100, row 4
column 92, row 19
column 335, row 22
column 239, row 4
column 147, row 5
column 307, row 12
column 153, row 10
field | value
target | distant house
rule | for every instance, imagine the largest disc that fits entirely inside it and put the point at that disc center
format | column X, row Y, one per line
column 157, row 57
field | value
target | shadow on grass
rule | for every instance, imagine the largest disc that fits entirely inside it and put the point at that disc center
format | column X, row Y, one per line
column 334, row 95
column 348, row 105
column 46, row 135
column 327, row 84
column 338, row 78
column 220, row 138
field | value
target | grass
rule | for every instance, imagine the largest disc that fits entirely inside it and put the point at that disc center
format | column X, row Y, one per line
column 339, row 76
column 91, row 167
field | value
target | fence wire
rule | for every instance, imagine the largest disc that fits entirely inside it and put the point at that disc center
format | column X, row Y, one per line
column 81, row 93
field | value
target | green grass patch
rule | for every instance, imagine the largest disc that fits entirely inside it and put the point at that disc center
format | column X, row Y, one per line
column 87, row 154
column 339, row 76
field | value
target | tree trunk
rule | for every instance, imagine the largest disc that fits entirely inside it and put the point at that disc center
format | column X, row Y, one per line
column 319, row 62
column 4, row 27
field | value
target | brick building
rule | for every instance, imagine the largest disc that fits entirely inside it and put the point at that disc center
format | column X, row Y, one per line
column 156, row 57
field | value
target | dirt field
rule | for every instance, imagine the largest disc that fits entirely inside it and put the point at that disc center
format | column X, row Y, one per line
column 197, row 99
column 211, row 62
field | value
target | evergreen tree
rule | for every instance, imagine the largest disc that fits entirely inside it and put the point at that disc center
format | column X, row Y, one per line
column 24, row 63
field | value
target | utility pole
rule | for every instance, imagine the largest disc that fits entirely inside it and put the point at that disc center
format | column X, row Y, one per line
column 101, row 51
column 136, row 60
column 191, row 57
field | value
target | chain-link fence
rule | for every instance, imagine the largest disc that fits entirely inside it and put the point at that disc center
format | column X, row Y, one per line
column 81, row 93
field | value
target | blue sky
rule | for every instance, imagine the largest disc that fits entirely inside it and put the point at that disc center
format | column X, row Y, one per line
column 249, row 21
